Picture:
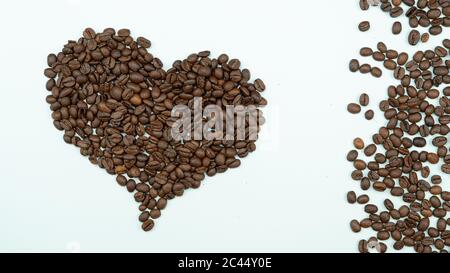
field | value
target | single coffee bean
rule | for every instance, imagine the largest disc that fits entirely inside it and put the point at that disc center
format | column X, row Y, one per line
column 370, row 208
column 366, row 52
column 363, row 4
column 355, row 226
column 369, row 114
column 352, row 155
column 144, row 216
column 363, row 199
column 148, row 225
column 425, row 37
column 364, row 26
column 365, row 68
column 354, row 65
column 351, row 197
column 376, row 72
column 414, row 37
column 364, row 99
column 353, row 108
column 397, row 28
column 362, row 246
column 358, row 143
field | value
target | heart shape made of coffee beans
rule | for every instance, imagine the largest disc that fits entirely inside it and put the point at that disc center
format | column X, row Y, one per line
column 115, row 102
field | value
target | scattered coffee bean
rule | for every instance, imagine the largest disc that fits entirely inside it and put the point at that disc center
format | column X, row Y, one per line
column 369, row 114
column 364, row 26
column 354, row 65
column 353, row 108
column 358, row 143
column 351, row 197
column 364, row 99
column 397, row 28
column 414, row 37
column 363, row 199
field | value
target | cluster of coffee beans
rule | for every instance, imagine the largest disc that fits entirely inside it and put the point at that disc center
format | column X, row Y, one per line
column 113, row 100
column 355, row 108
column 398, row 160
column 402, row 154
column 432, row 15
column 365, row 68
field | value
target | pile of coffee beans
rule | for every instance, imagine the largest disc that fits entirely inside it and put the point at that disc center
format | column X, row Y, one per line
column 113, row 100
column 431, row 15
column 398, row 161
column 408, row 158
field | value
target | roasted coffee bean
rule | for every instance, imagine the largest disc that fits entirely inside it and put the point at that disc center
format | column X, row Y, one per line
column 366, row 51
column 363, row 199
column 371, row 209
column 351, row 197
column 369, row 114
column 148, row 225
column 362, row 246
column 365, row 68
column 414, row 37
column 363, row 4
column 376, row 72
column 353, row 108
column 359, row 164
column 364, row 99
column 364, row 26
column 355, row 226
column 425, row 37
column 352, row 155
column 397, row 28
column 354, row 65
column 358, row 143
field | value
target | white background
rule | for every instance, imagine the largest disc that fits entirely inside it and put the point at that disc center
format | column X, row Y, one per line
column 287, row 196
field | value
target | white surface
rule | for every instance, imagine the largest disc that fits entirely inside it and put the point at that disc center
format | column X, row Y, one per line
column 287, row 196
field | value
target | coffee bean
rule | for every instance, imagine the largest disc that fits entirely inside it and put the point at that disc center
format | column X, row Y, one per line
column 425, row 37
column 382, row 47
column 353, row 108
column 148, row 225
column 371, row 209
column 259, row 85
column 383, row 235
column 358, row 143
column 354, row 65
column 351, row 197
column 414, row 37
column 376, row 72
column 366, row 52
column 144, row 216
column 359, row 164
column 363, row 199
column 143, row 42
column 369, row 114
column 352, row 155
column 363, row 4
column 396, row 28
column 364, row 26
column 365, row 68
column 364, row 99
column 362, row 246
column 354, row 225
